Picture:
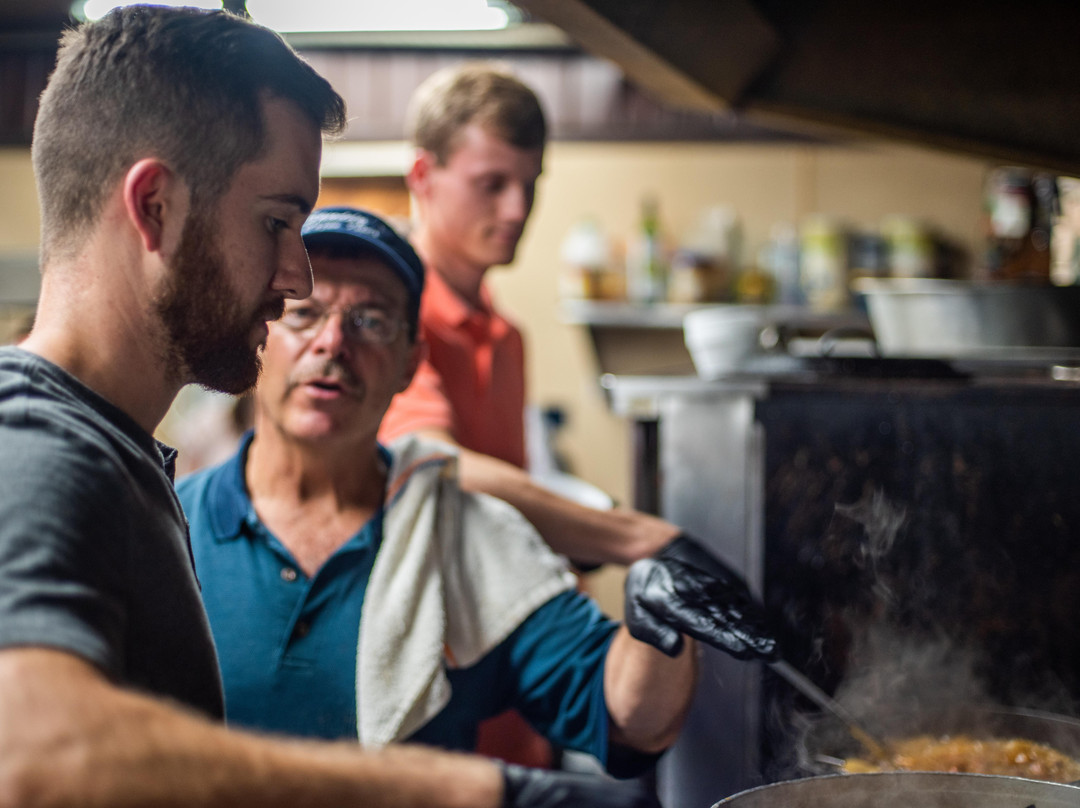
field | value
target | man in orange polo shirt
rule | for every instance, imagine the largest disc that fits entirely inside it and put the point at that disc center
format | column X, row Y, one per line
column 479, row 135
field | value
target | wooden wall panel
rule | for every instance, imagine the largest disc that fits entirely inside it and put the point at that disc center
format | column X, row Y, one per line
column 585, row 98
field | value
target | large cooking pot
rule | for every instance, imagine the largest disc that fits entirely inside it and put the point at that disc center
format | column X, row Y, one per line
column 907, row 790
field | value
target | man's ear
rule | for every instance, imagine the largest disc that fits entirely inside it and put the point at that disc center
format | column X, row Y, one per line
column 417, row 178
column 150, row 197
column 417, row 354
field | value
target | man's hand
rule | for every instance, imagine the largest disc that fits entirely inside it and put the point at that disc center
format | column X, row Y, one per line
column 684, row 589
column 540, row 788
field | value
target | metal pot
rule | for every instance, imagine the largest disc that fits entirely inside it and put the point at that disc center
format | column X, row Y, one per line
column 907, row 789
column 926, row 317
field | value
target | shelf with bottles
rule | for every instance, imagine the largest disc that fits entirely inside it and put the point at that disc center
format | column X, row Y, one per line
column 656, row 284
column 654, row 316
column 647, row 269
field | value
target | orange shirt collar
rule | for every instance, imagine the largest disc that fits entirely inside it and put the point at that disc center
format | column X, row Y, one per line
column 442, row 301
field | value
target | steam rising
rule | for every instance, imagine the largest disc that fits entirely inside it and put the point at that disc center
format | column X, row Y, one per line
column 903, row 672
column 882, row 521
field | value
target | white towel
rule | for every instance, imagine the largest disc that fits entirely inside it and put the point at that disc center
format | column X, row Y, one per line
column 456, row 574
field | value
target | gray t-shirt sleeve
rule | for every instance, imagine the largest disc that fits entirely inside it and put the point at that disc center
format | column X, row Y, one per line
column 62, row 553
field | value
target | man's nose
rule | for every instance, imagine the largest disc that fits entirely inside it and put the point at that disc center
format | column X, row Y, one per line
column 329, row 336
column 516, row 203
column 293, row 276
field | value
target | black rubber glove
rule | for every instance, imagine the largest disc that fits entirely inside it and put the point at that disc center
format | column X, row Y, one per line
column 541, row 788
column 684, row 589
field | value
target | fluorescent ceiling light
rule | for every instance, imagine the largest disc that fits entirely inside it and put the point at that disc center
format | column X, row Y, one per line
column 289, row 16
column 96, row 9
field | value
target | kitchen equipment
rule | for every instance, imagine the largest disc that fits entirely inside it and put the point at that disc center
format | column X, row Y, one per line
column 927, row 317
column 907, row 789
column 784, row 476
column 739, row 338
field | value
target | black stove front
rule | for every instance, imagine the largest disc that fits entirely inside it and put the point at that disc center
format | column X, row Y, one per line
column 921, row 542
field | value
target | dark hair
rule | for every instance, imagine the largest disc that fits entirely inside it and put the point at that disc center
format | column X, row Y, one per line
column 177, row 83
column 474, row 92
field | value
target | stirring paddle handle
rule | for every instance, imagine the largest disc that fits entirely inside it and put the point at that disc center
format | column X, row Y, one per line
column 876, row 747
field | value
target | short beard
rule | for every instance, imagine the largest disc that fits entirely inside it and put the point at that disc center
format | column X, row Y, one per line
column 207, row 335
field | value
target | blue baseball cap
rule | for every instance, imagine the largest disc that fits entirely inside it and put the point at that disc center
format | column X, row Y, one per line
column 353, row 227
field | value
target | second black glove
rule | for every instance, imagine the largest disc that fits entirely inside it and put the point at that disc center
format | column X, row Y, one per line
column 684, row 589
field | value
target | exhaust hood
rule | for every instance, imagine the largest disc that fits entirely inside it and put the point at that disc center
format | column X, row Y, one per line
column 995, row 80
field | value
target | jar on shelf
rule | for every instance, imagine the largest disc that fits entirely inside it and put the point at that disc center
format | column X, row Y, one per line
column 704, row 268
column 695, row 277
column 586, row 258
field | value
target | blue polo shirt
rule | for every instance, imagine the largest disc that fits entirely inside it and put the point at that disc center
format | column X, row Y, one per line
column 287, row 642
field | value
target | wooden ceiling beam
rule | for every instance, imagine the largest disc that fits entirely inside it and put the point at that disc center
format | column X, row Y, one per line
column 667, row 48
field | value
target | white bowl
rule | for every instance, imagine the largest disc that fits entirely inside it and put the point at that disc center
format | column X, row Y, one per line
column 721, row 338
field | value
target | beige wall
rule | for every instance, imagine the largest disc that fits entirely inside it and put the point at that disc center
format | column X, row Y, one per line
column 19, row 219
column 18, row 243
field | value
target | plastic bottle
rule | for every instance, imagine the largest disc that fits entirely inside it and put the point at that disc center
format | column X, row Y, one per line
column 646, row 270
column 910, row 248
column 824, row 265
column 782, row 261
column 1065, row 239
column 1020, row 206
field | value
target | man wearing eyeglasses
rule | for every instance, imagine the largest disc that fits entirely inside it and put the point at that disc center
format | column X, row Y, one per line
column 354, row 591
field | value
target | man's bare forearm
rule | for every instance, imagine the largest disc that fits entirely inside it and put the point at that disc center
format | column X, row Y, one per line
column 647, row 693
column 586, row 535
column 69, row 737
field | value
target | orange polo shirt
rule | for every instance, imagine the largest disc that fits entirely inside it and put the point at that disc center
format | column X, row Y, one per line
column 472, row 383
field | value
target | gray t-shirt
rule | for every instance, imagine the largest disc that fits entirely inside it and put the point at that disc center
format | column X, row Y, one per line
column 94, row 552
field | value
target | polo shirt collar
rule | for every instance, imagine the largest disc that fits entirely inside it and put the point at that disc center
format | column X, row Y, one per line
column 451, row 308
column 227, row 497
column 228, row 502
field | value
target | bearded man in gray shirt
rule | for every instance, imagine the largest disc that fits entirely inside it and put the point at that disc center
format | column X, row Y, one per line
column 177, row 156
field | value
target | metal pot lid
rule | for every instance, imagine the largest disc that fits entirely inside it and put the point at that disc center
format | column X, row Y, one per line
column 907, row 789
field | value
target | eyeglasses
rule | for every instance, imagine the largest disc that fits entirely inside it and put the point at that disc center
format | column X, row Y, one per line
column 361, row 324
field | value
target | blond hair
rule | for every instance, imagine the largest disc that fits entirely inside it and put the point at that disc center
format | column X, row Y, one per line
column 474, row 93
